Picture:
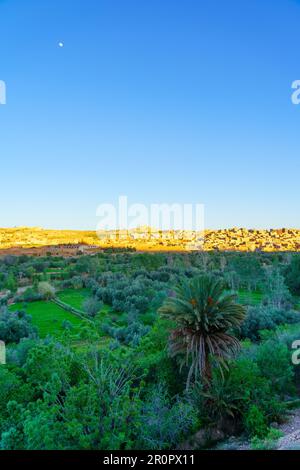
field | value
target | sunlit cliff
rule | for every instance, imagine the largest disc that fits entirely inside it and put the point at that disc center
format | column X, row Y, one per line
column 238, row 239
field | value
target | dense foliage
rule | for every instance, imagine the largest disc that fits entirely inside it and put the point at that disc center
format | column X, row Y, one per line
column 89, row 339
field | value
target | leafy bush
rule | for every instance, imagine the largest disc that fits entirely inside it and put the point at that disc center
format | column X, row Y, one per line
column 46, row 290
column 268, row 442
column 277, row 293
column 92, row 306
column 15, row 325
column 19, row 353
column 77, row 282
column 265, row 318
column 55, row 396
column 67, row 325
column 138, row 302
column 165, row 422
column 232, row 395
column 130, row 335
column 29, row 295
column 292, row 275
column 255, row 422
column 274, row 361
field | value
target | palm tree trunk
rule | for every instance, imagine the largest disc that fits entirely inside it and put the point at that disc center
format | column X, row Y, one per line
column 208, row 371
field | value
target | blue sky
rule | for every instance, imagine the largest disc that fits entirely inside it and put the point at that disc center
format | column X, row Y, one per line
column 163, row 101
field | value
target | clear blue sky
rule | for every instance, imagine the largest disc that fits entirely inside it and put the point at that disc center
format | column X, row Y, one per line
column 161, row 100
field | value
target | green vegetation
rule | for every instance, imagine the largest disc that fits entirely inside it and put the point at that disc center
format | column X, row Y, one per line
column 125, row 350
column 48, row 317
column 250, row 298
column 203, row 314
column 74, row 297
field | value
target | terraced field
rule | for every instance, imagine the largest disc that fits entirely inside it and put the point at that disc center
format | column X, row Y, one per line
column 256, row 298
column 74, row 297
column 49, row 317
column 250, row 298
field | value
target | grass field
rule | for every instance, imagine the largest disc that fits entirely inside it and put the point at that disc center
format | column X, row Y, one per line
column 250, row 298
column 48, row 317
column 255, row 298
column 74, row 297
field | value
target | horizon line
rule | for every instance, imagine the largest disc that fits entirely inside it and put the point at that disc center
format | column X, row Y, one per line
column 37, row 227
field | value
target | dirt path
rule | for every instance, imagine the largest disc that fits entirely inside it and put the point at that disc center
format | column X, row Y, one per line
column 291, row 430
column 290, row 440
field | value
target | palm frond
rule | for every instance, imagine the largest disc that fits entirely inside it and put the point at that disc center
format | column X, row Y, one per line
column 203, row 313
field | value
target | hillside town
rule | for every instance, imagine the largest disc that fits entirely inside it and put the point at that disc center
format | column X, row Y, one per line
column 147, row 239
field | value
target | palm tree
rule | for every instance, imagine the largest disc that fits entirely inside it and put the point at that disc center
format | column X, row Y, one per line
column 203, row 314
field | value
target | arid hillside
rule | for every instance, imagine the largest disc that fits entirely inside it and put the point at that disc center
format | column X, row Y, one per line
column 146, row 239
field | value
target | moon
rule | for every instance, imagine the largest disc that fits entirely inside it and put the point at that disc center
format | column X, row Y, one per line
column 61, row 44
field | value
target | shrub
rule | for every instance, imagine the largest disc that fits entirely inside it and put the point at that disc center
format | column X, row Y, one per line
column 92, row 306
column 165, row 422
column 138, row 302
column 18, row 354
column 232, row 395
column 130, row 334
column 92, row 285
column 277, row 293
column 105, row 294
column 266, row 318
column 30, row 295
column 255, row 422
column 67, row 325
column 292, row 275
column 15, row 325
column 77, row 282
column 46, row 291
column 274, row 361
column 268, row 442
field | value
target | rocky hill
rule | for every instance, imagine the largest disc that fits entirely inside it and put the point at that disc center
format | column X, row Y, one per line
column 236, row 239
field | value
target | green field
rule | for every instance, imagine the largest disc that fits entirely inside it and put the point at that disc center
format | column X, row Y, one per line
column 74, row 297
column 48, row 317
column 255, row 298
column 250, row 298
